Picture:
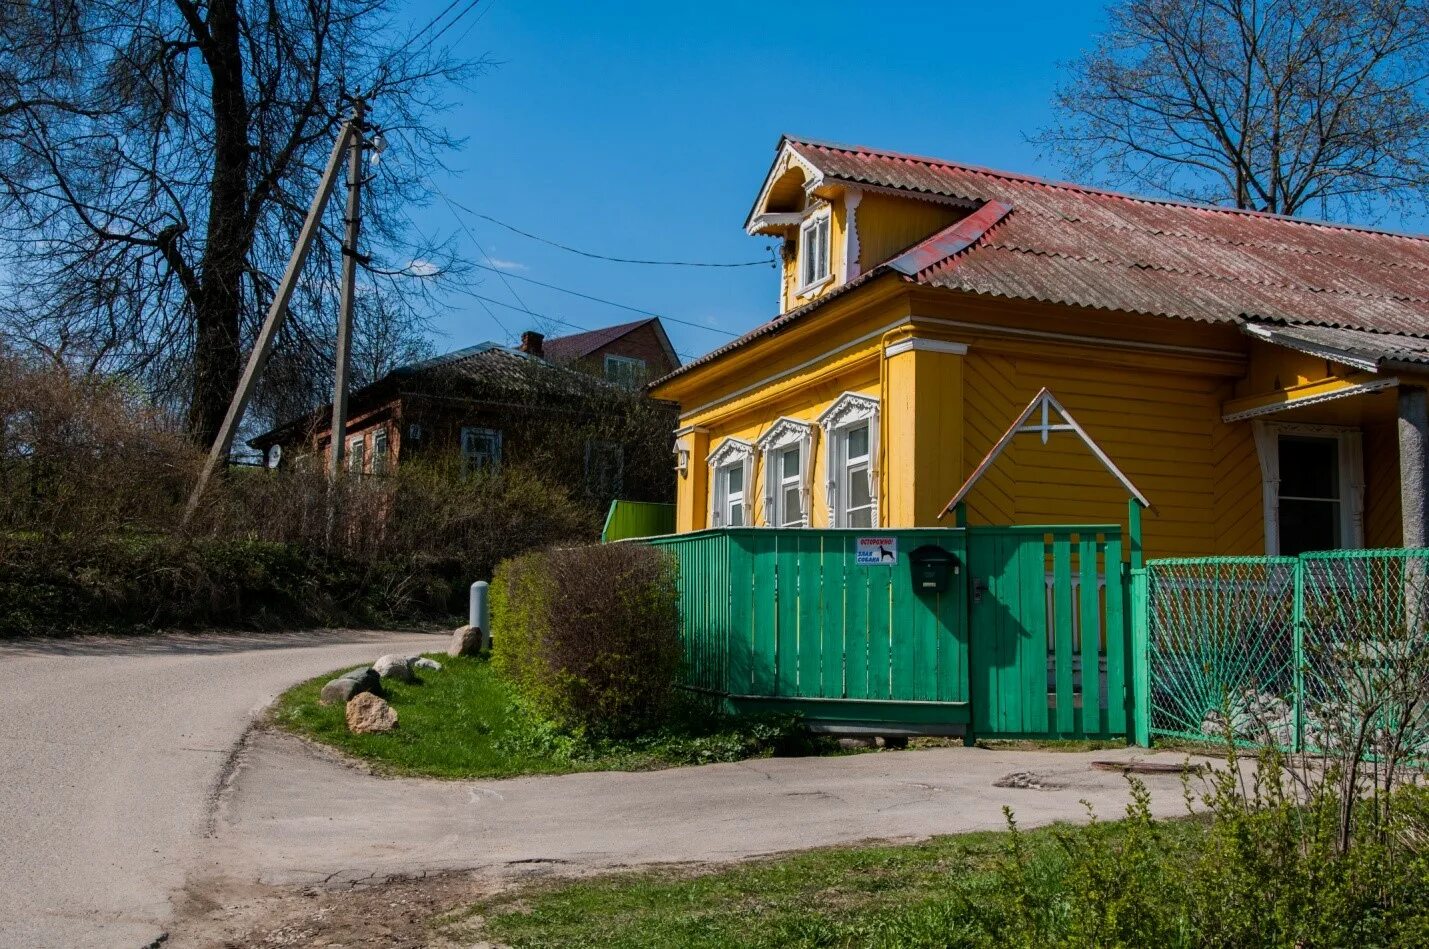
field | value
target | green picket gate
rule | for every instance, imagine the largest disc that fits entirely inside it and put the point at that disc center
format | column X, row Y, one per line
column 1050, row 637
column 1029, row 640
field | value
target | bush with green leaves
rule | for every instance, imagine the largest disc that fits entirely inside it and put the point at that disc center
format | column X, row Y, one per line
column 590, row 635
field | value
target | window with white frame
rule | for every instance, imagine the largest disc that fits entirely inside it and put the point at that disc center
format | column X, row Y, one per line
column 851, row 435
column 787, row 449
column 480, row 448
column 856, row 477
column 626, row 371
column 814, row 236
column 379, row 451
column 731, row 474
column 1313, row 480
column 356, row 455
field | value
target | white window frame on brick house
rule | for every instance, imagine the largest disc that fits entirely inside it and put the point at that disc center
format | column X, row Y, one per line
column 732, row 454
column 850, row 411
column 1350, row 459
column 357, row 454
column 627, row 371
column 816, row 238
column 786, row 436
column 472, row 458
column 379, row 451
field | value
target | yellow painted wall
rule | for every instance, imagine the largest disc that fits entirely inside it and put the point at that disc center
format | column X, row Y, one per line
column 1274, row 367
column 1201, row 475
column 1157, row 414
column 888, row 225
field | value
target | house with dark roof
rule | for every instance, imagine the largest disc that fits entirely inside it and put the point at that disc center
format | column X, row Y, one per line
column 1258, row 380
column 630, row 354
column 488, row 405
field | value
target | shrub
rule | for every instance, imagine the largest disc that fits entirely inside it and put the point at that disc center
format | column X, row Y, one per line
column 140, row 582
column 590, row 635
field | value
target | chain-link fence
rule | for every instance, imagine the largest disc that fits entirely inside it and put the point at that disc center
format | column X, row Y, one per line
column 1303, row 653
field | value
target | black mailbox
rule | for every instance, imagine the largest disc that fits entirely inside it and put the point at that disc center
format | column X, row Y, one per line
column 932, row 566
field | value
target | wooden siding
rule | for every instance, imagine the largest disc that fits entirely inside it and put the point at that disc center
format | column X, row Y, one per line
column 888, row 225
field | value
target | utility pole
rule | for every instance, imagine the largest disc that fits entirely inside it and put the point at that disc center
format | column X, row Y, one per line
column 353, row 221
column 263, row 345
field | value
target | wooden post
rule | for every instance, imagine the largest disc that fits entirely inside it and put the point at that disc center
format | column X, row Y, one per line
column 1413, row 445
column 353, row 221
column 263, row 345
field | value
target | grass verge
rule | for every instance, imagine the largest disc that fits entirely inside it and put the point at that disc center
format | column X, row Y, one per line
column 465, row 722
column 904, row 895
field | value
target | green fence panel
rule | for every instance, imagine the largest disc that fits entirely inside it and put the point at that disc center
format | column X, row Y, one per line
column 1089, row 627
column 784, row 618
column 832, row 609
column 1062, row 650
column 1118, row 630
column 634, row 519
column 809, row 641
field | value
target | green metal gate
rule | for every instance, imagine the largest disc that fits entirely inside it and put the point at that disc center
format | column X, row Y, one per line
column 1049, row 631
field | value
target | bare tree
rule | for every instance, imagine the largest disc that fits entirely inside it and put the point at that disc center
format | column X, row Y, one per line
column 156, row 160
column 1277, row 105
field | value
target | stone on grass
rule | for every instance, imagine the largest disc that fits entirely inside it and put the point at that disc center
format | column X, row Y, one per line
column 422, row 662
column 466, row 641
column 393, row 666
column 366, row 713
column 343, row 688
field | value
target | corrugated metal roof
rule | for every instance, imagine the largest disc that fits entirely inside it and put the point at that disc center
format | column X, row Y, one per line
column 564, row 349
column 1087, row 247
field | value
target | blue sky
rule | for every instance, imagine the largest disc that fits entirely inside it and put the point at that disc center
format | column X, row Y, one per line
column 644, row 129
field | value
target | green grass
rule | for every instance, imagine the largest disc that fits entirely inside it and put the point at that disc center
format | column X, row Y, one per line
column 451, row 724
column 913, row 895
column 464, row 722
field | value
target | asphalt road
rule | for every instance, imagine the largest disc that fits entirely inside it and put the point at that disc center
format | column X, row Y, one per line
column 113, row 752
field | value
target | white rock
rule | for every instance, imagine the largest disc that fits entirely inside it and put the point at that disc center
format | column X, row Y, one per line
column 422, row 662
column 393, row 666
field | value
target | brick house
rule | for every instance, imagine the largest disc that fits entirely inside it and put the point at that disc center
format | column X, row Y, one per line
column 630, row 354
column 491, row 404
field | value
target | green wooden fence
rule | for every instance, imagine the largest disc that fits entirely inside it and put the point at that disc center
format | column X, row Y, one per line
column 787, row 620
column 1030, row 639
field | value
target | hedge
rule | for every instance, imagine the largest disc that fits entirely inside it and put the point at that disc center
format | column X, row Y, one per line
column 590, row 635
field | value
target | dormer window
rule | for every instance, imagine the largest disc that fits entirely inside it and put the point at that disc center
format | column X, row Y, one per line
column 814, row 251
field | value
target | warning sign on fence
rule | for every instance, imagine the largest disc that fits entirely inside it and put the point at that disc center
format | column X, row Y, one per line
column 876, row 551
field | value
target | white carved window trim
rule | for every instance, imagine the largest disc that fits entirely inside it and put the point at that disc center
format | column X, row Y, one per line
column 784, row 434
column 1352, row 483
column 820, row 220
column 849, row 410
column 732, row 452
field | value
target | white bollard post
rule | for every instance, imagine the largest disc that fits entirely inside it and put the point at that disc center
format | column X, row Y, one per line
column 478, row 615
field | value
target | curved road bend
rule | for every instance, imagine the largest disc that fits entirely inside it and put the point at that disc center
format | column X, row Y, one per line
column 113, row 749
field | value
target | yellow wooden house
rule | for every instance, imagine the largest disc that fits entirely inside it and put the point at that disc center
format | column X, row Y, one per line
column 1260, row 379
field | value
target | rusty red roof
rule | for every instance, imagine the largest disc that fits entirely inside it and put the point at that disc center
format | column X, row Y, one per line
column 563, row 349
column 1054, row 242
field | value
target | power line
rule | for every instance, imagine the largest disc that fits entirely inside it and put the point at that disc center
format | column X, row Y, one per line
column 434, row 21
column 606, row 257
column 595, row 299
column 543, row 316
column 454, row 21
